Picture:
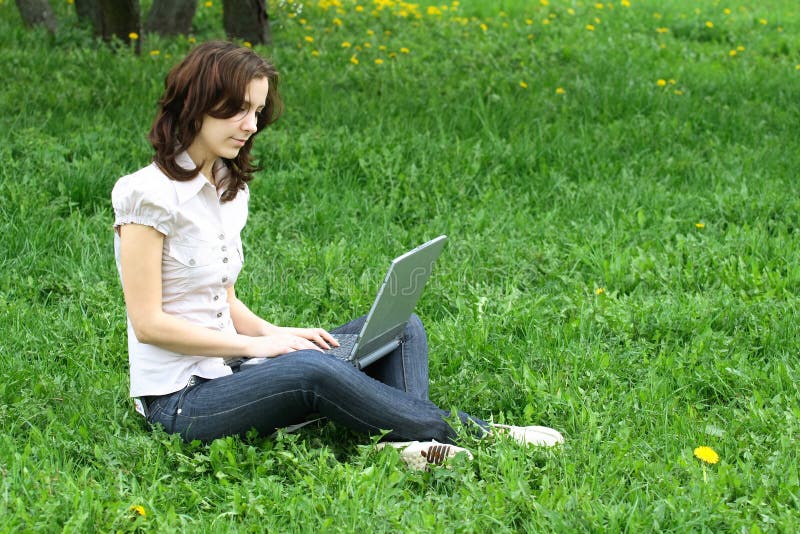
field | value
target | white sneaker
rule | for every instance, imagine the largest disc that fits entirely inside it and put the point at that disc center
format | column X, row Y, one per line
column 419, row 455
column 531, row 435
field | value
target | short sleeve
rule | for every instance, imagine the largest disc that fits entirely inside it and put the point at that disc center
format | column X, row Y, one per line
column 139, row 200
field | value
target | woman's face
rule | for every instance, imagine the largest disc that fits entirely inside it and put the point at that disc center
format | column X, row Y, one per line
column 223, row 138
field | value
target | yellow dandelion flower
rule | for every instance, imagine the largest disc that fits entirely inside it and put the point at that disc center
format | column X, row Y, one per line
column 678, row 92
column 590, row 27
column 596, row 20
column 209, row 4
column 530, row 37
column 138, row 509
column 732, row 53
column 370, row 33
column 337, row 22
column 763, row 22
column 308, row 39
column 672, row 81
column 700, row 226
column 625, row 3
column 598, row 5
column 303, row 22
column 346, row 44
column 433, row 10
column 709, row 24
column 382, row 48
column 248, row 44
column 367, row 45
column 546, row 22
column 707, row 455
column 560, row 90
column 133, row 36
column 544, row 2
column 392, row 55
column 315, row 53
column 797, row 67
column 379, row 61
column 523, row 85
column 70, row 2
column 484, row 27
column 727, row 11
column 657, row 16
column 599, row 291
column 570, row 11
column 354, row 60
column 661, row 82
column 740, row 48
column 359, row 9
column 154, row 52
column 662, row 30
column 192, row 40
column 405, row 50
column 529, row 21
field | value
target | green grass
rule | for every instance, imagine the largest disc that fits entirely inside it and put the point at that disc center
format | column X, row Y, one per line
column 623, row 265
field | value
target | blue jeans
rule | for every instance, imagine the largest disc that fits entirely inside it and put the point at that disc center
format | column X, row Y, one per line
column 389, row 395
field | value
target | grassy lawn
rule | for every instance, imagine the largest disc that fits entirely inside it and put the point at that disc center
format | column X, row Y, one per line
column 619, row 184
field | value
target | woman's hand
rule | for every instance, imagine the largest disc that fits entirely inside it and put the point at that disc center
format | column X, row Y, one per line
column 318, row 336
column 287, row 340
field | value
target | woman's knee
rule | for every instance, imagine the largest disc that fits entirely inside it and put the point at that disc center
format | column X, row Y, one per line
column 316, row 366
column 414, row 325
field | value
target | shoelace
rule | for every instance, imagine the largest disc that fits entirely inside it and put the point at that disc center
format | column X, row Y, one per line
column 436, row 454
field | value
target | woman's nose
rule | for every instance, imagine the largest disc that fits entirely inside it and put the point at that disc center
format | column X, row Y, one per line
column 250, row 122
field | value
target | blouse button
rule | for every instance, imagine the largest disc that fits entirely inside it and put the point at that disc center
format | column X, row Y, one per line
column 224, row 248
column 216, row 297
column 192, row 262
column 224, row 279
column 219, row 314
column 224, row 260
column 221, row 236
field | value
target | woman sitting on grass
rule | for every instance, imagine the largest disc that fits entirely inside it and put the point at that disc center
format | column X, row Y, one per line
column 178, row 248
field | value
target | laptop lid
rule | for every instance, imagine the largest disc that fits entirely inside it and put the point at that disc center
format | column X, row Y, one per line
column 398, row 295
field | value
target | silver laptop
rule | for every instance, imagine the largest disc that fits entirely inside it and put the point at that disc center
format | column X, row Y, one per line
column 386, row 320
column 398, row 295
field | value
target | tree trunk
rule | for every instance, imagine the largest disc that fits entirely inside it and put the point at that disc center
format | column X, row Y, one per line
column 89, row 10
column 112, row 18
column 171, row 17
column 37, row 13
column 120, row 18
column 247, row 20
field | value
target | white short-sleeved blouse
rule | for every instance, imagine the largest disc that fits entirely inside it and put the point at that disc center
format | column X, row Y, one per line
column 202, row 257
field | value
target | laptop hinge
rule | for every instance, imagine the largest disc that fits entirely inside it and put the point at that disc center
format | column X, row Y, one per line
column 378, row 353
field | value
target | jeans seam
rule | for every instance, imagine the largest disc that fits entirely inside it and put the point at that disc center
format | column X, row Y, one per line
column 403, row 364
column 216, row 414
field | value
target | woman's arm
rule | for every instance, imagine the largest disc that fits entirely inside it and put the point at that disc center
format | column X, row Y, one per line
column 248, row 323
column 140, row 257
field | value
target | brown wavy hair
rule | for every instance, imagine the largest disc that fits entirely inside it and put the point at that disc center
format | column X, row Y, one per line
column 211, row 80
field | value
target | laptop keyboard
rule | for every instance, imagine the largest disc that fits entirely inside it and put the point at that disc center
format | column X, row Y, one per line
column 345, row 348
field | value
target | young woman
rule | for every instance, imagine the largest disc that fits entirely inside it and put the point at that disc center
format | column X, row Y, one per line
column 178, row 249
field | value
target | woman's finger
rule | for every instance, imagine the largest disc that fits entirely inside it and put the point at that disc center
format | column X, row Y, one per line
column 328, row 337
